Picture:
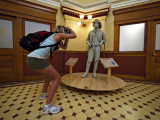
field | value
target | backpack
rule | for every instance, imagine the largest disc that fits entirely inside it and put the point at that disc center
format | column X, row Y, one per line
column 32, row 41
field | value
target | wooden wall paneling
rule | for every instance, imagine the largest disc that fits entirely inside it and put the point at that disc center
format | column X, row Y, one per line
column 19, row 49
column 155, row 69
column 20, row 10
column 148, row 50
column 10, row 13
column 53, row 25
column 31, row 78
column 157, row 59
column 137, row 20
column 153, row 58
column 8, row 61
column 15, row 45
column 5, row 58
column 141, row 11
column 116, row 38
column 6, row 70
column 4, row 51
column 130, row 54
column 27, row 8
column 130, row 77
column 8, row 77
column 6, row 64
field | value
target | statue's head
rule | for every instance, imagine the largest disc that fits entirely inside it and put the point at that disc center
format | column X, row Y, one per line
column 97, row 24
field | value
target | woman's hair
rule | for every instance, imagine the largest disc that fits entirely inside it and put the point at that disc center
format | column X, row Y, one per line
column 60, row 29
column 99, row 23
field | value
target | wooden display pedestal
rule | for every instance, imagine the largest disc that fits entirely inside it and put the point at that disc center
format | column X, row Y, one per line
column 102, row 82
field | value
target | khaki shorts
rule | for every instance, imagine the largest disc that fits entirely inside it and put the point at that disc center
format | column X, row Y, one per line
column 37, row 63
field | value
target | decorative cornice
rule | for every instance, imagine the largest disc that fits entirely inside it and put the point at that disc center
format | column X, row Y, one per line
column 77, row 5
column 92, row 6
column 51, row 2
column 76, row 13
column 85, row 20
column 104, row 2
column 117, row 4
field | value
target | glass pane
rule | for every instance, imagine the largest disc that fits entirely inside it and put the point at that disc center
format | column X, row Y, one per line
column 6, row 34
column 31, row 27
column 157, row 37
column 132, row 37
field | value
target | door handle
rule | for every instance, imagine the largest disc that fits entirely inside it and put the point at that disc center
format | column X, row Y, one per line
column 153, row 53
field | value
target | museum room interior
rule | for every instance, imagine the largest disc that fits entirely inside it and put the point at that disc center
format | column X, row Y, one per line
column 109, row 70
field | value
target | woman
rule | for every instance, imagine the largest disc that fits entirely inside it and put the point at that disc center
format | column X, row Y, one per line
column 37, row 60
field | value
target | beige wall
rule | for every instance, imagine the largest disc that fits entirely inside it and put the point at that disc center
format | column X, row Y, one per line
column 109, row 25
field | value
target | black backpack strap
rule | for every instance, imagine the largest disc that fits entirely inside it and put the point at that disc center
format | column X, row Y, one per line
column 56, row 44
column 51, row 52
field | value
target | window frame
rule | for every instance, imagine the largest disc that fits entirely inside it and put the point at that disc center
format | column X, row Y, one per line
column 117, row 39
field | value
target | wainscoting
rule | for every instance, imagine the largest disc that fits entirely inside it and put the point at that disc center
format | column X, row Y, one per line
column 130, row 67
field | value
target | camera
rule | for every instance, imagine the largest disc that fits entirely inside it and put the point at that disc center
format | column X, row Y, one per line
column 67, row 30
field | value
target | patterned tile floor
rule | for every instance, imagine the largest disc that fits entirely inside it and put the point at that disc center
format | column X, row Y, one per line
column 136, row 101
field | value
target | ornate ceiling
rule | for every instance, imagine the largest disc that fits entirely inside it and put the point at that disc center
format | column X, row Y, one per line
column 87, row 4
column 95, row 8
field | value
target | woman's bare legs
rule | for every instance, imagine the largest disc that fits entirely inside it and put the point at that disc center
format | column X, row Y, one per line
column 51, row 72
column 46, row 84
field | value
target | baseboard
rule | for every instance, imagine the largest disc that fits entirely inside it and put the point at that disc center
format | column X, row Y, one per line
column 130, row 77
column 30, row 78
column 38, row 77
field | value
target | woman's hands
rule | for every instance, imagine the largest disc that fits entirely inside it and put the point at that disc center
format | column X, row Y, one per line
column 64, row 46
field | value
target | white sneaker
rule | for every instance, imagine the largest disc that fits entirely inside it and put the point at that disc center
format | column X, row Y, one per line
column 51, row 109
column 55, row 109
column 43, row 95
column 46, row 109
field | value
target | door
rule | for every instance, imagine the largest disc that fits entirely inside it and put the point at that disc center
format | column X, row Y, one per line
column 8, row 64
column 155, row 48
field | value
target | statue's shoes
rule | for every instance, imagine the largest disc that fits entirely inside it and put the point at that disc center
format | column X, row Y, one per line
column 84, row 75
column 94, row 75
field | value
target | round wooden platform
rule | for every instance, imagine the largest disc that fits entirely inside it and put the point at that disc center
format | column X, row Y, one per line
column 89, row 83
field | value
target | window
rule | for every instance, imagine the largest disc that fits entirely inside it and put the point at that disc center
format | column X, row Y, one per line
column 157, row 37
column 6, row 34
column 132, row 37
column 31, row 27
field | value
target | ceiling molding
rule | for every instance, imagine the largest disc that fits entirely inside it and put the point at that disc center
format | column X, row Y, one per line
column 76, row 13
column 116, row 4
column 86, row 6
column 66, row 5
column 92, row 6
column 76, row 5
column 85, row 20
column 50, row 2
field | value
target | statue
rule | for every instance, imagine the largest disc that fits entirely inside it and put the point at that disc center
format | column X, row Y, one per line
column 95, row 40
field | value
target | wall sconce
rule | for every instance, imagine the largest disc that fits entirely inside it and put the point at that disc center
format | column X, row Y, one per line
column 79, row 23
column 81, row 16
column 89, row 17
column 83, row 22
